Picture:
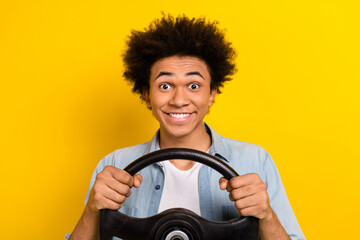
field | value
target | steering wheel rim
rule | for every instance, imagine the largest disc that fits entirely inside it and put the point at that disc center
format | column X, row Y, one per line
column 114, row 223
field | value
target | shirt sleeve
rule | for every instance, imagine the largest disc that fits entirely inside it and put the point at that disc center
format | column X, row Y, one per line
column 279, row 201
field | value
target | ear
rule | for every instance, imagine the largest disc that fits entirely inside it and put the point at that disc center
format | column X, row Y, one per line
column 145, row 95
column 212, row 97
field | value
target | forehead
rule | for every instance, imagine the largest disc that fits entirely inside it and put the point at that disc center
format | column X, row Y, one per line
column 179, row 65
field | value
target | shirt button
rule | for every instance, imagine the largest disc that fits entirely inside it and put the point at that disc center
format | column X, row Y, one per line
column 157, row 187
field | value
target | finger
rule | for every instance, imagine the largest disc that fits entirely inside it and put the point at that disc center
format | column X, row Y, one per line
column 109, row 204
column 120, row 175
column 223, row 183
column 249, row 211
column 246, row 202
column 118, row 187
column 244, row 180
column 123, row 177
column 228, row 187
column 137, row 180
column 112, row 195
column 254, row 211
column 244, row 191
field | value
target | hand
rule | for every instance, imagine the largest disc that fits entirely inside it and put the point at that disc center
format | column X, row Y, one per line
column 111, row 188
column 249, row 194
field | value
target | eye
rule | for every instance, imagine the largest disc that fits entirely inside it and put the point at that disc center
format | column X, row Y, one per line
column 194, row 86
column 165, row 86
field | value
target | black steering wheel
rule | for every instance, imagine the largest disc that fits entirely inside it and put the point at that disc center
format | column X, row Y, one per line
column 177, row 223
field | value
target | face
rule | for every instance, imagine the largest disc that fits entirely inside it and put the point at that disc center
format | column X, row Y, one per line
column 180, row 95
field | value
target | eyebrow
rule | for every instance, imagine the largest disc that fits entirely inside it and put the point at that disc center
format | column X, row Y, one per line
column 171, row 74
column 195, row 73
column 164, row 74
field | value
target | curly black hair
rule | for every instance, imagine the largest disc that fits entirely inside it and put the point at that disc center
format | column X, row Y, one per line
column 180, row 36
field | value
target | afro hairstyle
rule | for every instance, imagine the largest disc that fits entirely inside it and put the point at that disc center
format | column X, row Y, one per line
column 180, row 36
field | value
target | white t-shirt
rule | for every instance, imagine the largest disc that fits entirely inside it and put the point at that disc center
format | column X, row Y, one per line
column 181, row 188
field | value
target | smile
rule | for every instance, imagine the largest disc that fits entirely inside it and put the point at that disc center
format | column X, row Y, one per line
column 179, row 115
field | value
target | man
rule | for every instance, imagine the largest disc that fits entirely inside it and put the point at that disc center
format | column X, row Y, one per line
column 178, row 66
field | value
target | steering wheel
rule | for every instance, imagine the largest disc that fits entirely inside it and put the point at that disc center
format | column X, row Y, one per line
column 177, row 223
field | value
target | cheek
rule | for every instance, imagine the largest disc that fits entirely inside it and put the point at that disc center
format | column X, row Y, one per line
column 157, row 102
column 204, row 101
column 203, row 105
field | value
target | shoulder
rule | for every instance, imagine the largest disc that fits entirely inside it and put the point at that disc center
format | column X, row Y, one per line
column 243, row 148
column 245, row 157
column 231, row 148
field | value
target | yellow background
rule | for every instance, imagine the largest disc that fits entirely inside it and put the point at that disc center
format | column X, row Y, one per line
column 64, row 104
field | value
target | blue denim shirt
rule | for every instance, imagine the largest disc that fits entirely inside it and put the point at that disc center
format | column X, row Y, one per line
column 214, row 203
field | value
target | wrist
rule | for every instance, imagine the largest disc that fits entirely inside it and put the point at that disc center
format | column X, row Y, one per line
column 271, row 228
column 89, row 209
column 269, row 217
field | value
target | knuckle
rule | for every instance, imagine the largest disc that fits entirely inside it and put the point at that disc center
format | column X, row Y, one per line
column 97, row 196
column 108, row 168
column 265, row 196
column 120, row 199
column 236, row 194
column 232, row 182
column 128, row 190
column 256, row 176
column 96, row 189
column 125, row 189
column 129, row 193
column 238, row 211
column 238, row 205
column 262, row 186
column 99, row 177
column 231, row 196
column 127, row 178
column 264, row 206
column 114, row 206
column 243, row 212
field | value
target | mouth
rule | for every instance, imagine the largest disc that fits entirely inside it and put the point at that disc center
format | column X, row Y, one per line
column 179, row 116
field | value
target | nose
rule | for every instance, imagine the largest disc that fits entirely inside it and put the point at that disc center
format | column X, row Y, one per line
column 179, row 98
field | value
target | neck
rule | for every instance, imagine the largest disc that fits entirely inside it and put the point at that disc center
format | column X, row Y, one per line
column 198, row 140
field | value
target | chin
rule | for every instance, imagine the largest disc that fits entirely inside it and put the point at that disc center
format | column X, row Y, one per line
column 177, row 132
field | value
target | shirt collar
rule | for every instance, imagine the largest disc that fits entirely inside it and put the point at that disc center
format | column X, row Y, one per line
column 217, row 148
column 154, row 143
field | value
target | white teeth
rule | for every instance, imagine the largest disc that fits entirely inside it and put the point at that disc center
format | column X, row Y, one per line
column 182, row 115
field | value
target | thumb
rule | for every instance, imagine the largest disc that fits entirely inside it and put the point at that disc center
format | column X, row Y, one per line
column 137, row 180
column 223, row 183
